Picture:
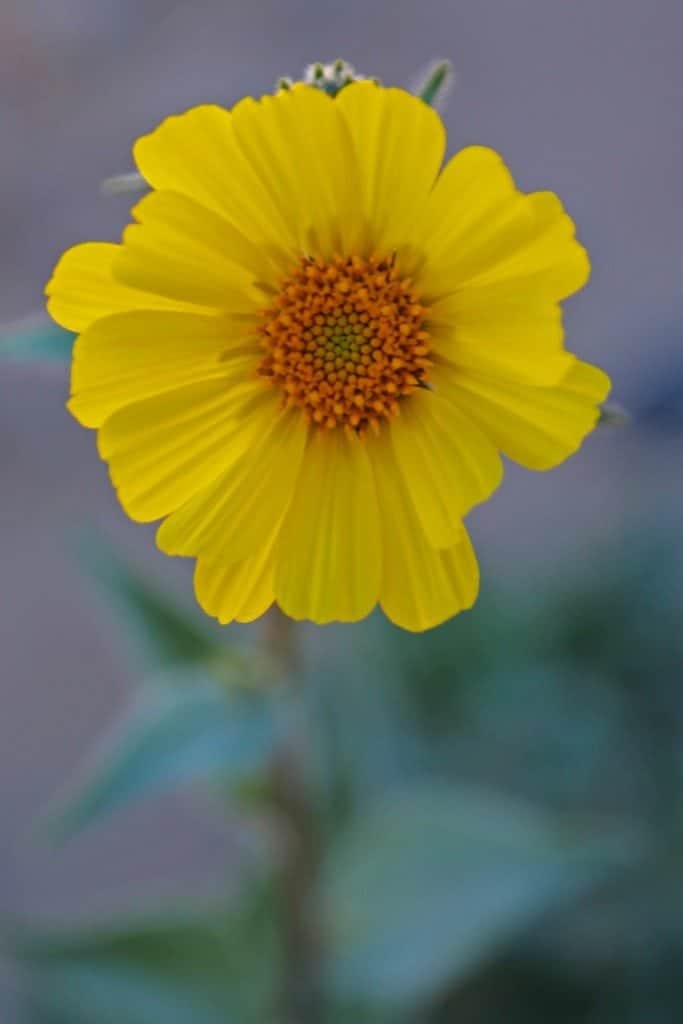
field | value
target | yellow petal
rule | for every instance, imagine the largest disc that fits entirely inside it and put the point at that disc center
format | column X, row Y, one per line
column 230, row 519
column 537, row 427
column 198, row 154
column 421, row 586
column 280, row 169
column 520, row 340
column 447, row 464
column 471, row 197
column 545, row 260
column 586, row 381
column 123, row 358
column 83, row 288
column 399, row 144
column 242, row 592
column 185, row 252
column 164, row 450
column 301, row 146
column 480, row 232
column 329, row 553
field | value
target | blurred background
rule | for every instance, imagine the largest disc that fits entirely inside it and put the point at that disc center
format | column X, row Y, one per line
column 553, row 709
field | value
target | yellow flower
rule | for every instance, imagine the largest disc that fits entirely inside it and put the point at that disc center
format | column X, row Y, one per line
column 309, row 351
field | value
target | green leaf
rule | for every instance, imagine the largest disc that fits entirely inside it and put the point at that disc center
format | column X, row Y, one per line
column 205, row 969
column 362, row 1013
column 435, row 82
column 194, row 731
column 162, row 631
column 122, row 184
column 36, row 339
column 613, row 415
column 432, row 882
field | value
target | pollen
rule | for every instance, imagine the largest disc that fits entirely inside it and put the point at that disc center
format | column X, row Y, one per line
column 345, row 341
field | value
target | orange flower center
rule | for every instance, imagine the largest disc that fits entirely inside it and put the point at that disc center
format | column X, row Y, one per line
column 345, row 341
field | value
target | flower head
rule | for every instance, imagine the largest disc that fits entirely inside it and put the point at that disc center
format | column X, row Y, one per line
column 331, row 78
column 311, row 347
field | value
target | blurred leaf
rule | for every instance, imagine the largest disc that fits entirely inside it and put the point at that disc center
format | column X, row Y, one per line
column 392, row 706
column 36, row 339
column 613, row 415
column 122, row 184
column 361, row 742
column 556, row 734
column 438, row 672
column 162, row 630
column 431, row 883
column 435, row 82
column 363, row 1013
column 174, row 736
column 204, row 969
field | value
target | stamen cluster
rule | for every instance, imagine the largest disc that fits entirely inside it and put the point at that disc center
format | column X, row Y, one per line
column 345, row 341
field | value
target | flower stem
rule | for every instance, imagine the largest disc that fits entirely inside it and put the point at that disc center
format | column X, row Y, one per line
column 301, row 995
column 281, row 642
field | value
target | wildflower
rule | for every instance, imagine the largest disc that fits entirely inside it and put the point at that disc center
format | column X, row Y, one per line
column 311, row 347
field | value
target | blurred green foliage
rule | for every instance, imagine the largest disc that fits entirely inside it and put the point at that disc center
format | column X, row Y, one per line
column 213, row 967
column 36, row 339
column 181, row 730
column 496, row 809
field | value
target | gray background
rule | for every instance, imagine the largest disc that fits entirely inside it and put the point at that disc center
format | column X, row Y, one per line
column 581, row 96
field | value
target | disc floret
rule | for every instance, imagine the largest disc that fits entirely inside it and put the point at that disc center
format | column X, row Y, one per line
column 345, row 341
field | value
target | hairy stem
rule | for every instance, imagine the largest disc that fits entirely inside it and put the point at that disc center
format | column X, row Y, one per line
column 301, row 997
